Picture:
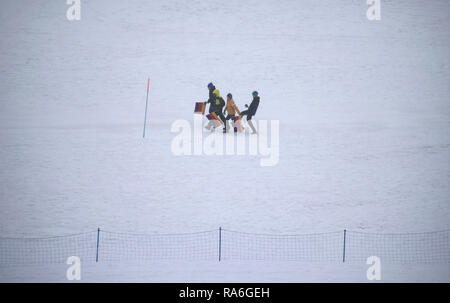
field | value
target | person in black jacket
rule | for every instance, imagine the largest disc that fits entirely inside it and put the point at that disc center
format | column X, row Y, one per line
column 251, row 111
column 216, row 104
column 211, row 99
column 211, row 89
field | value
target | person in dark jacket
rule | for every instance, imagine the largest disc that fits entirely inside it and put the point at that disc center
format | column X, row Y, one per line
column 211, row 100
column 211, row 89
column 251, row 111
column 216, row 104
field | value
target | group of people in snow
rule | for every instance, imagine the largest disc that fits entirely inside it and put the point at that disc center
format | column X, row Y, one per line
column 217, row 104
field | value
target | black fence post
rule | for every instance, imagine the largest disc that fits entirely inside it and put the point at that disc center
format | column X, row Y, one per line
column 98, row 242
column 220, row 243
column 343, row 254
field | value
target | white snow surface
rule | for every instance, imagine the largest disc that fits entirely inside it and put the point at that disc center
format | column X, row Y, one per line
column 363, row 106
column 227, row 272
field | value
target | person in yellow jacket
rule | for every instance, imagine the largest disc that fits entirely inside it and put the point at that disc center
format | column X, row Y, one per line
column 231, row 109
column 216, row 103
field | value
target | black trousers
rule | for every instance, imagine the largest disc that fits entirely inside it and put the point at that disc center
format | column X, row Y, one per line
column 246, row 113
column 222, row 117
column 232, row 117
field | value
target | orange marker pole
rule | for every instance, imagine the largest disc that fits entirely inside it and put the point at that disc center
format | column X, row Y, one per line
column 146, row 106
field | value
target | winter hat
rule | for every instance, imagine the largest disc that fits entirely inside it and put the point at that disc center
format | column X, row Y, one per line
column 229, row 96
column 255, row 93
column 210, row 85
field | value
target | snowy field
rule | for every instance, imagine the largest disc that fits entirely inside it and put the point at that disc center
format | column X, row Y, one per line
column 363, row 106
column 228, row 272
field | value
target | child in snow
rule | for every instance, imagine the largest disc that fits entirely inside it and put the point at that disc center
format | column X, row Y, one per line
column 231, row 109
column 251, row 111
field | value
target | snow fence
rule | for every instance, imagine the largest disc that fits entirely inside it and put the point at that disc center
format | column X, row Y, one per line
column 225, row 245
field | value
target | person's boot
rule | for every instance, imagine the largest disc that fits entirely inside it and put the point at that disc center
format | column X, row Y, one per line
column 233, row 125
column 226, row 127
column 250, row 123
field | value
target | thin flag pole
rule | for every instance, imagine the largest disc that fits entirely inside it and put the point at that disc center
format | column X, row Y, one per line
column 146, row 106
